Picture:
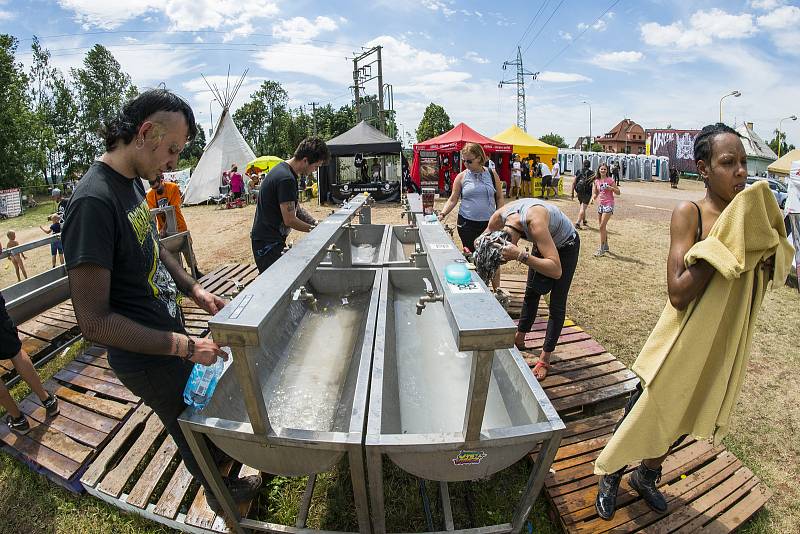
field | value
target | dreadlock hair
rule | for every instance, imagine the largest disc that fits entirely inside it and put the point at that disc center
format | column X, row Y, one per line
column 124, row 126
column 703, row 142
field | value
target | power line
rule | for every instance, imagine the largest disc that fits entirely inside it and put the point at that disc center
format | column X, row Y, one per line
column 530, row 24
column 543, row 27
column 614, row 3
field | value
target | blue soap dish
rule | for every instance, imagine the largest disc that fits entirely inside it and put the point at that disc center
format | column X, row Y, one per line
column 457, row 273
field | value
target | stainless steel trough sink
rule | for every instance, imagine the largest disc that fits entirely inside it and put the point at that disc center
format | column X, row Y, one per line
column 313, row 374
column 361, row 246
column 403, row 248
column 30, row 297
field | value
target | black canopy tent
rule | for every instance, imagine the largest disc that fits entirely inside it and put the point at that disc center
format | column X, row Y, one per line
column 364, row 140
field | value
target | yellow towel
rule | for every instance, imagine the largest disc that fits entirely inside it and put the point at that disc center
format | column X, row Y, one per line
column 693, row 364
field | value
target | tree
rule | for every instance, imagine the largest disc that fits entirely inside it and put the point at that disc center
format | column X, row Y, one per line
column 597, row 147
column 17, row 147
column 42, row 76
column 194, row 149
column 66, row 129
column 554, row 139
column 264, row 120
column 435, row 121
column 101, row 87
column 785, row 147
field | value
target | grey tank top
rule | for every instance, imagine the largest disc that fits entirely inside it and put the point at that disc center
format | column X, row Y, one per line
column 477, row 196
column 560, row 227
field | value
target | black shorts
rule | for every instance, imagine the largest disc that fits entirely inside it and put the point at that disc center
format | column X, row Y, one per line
column 469, row 230
column 265, row 254
column 547, row 181
column 10, row 344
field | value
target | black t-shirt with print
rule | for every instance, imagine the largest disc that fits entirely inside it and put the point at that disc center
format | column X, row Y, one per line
column 107, row 223
column 279, row 186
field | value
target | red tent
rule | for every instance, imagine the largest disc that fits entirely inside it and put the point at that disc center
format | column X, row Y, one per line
column 448, row 145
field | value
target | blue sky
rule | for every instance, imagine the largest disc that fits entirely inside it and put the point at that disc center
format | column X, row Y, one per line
column 658, row 62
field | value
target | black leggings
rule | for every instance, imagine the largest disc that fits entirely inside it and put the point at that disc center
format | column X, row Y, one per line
column 568, row 255
column 469, row 231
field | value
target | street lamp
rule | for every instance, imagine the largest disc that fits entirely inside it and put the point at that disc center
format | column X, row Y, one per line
column 735, row 94
column 780, row 122
column 590, row 125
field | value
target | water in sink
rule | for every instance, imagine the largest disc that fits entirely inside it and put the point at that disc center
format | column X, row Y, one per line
column 433, row 375
column 363, row 253
column 305, row 388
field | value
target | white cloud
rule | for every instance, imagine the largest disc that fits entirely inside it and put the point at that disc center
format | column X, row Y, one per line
column 766, row 4
column 616, row 60
column 182, row 14
column 299, row 29
column 438, row 5
column 703, row 28
column 330, row 62
column 6, row 15
column 582, row 26
column 562, row 77
column 565, row 35
column 477, row 58
column 144, row 71
column 781, row 18
column 600, row 25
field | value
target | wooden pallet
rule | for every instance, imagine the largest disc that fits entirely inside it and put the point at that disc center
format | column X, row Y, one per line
column 221, row 281
column 137, row 471
column 707, row 487
column 43, row 336
column 93, row 406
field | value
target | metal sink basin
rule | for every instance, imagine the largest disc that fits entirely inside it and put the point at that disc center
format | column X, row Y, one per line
column 403, row 248
column 312, row 372
column 361, row 246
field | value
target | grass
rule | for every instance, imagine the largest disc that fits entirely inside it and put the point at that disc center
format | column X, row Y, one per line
column 617, row 298
column 31, row 218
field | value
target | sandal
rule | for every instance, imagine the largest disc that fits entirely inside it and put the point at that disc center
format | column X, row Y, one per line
column 541, row 365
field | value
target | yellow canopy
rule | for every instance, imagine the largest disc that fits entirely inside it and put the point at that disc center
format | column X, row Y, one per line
column 263, row 163
column 784, row 164
column 525, row 144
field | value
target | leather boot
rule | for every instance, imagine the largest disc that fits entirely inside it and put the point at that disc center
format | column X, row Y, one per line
column 644, row 480
column 606, row 502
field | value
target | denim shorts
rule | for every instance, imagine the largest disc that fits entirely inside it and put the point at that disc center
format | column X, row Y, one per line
column 56, row 246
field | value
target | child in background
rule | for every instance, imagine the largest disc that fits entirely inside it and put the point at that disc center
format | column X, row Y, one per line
column 16, row 259
column 55, row 246
column 604, row 190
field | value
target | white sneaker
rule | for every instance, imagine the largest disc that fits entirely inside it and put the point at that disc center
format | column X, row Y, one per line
column 600, row 252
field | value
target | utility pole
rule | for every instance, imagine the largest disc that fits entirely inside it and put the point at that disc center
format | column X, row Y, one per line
column 519, row 81
column 314, row 115
column 362, row 73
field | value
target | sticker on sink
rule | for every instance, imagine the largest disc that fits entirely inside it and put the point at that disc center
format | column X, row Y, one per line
column 459, row 289
column 469, row 458
column 240, row 308
column 440, row 246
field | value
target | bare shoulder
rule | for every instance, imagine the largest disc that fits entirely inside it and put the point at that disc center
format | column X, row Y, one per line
column 684, row 220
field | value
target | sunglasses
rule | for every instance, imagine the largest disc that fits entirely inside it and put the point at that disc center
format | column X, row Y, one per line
column 468, row 161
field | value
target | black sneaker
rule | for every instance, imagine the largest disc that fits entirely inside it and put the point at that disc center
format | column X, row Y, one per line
column 643, row 481
column 243, row 489
column 51, row 405
column 20, row 425
column 606, row 501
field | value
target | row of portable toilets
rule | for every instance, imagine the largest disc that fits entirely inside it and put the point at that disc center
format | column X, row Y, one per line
column 632, row 166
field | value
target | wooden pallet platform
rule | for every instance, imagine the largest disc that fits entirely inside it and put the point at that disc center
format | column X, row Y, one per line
column 584, row 378
column 222, row 281
column 93, row 406
column 707, row 487
column 139, row 472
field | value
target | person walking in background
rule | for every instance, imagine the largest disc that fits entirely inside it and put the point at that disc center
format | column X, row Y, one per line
column 615, row 172
column 604, row 190
column 555, row 170
column 547, row 179
column 11, row 349
column 55, row 246
column 16, row 259
column 582, row 185
column 480, row 192
column 526, row 178
column 516, row 176
column 237, row 182
column 673, row 178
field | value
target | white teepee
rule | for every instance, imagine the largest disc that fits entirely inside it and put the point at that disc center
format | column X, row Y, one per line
column 227, row 147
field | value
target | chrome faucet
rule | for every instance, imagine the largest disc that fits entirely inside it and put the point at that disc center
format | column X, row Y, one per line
column 303, row 295
column 430, row 296
column 353, row 230
column 414, row 256
column 409, row 229
column 333, row 249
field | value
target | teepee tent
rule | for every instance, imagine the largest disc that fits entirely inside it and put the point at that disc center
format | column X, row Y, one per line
column 227, row 147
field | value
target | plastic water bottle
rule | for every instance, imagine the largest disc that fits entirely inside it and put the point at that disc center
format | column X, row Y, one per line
column 202, row 382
